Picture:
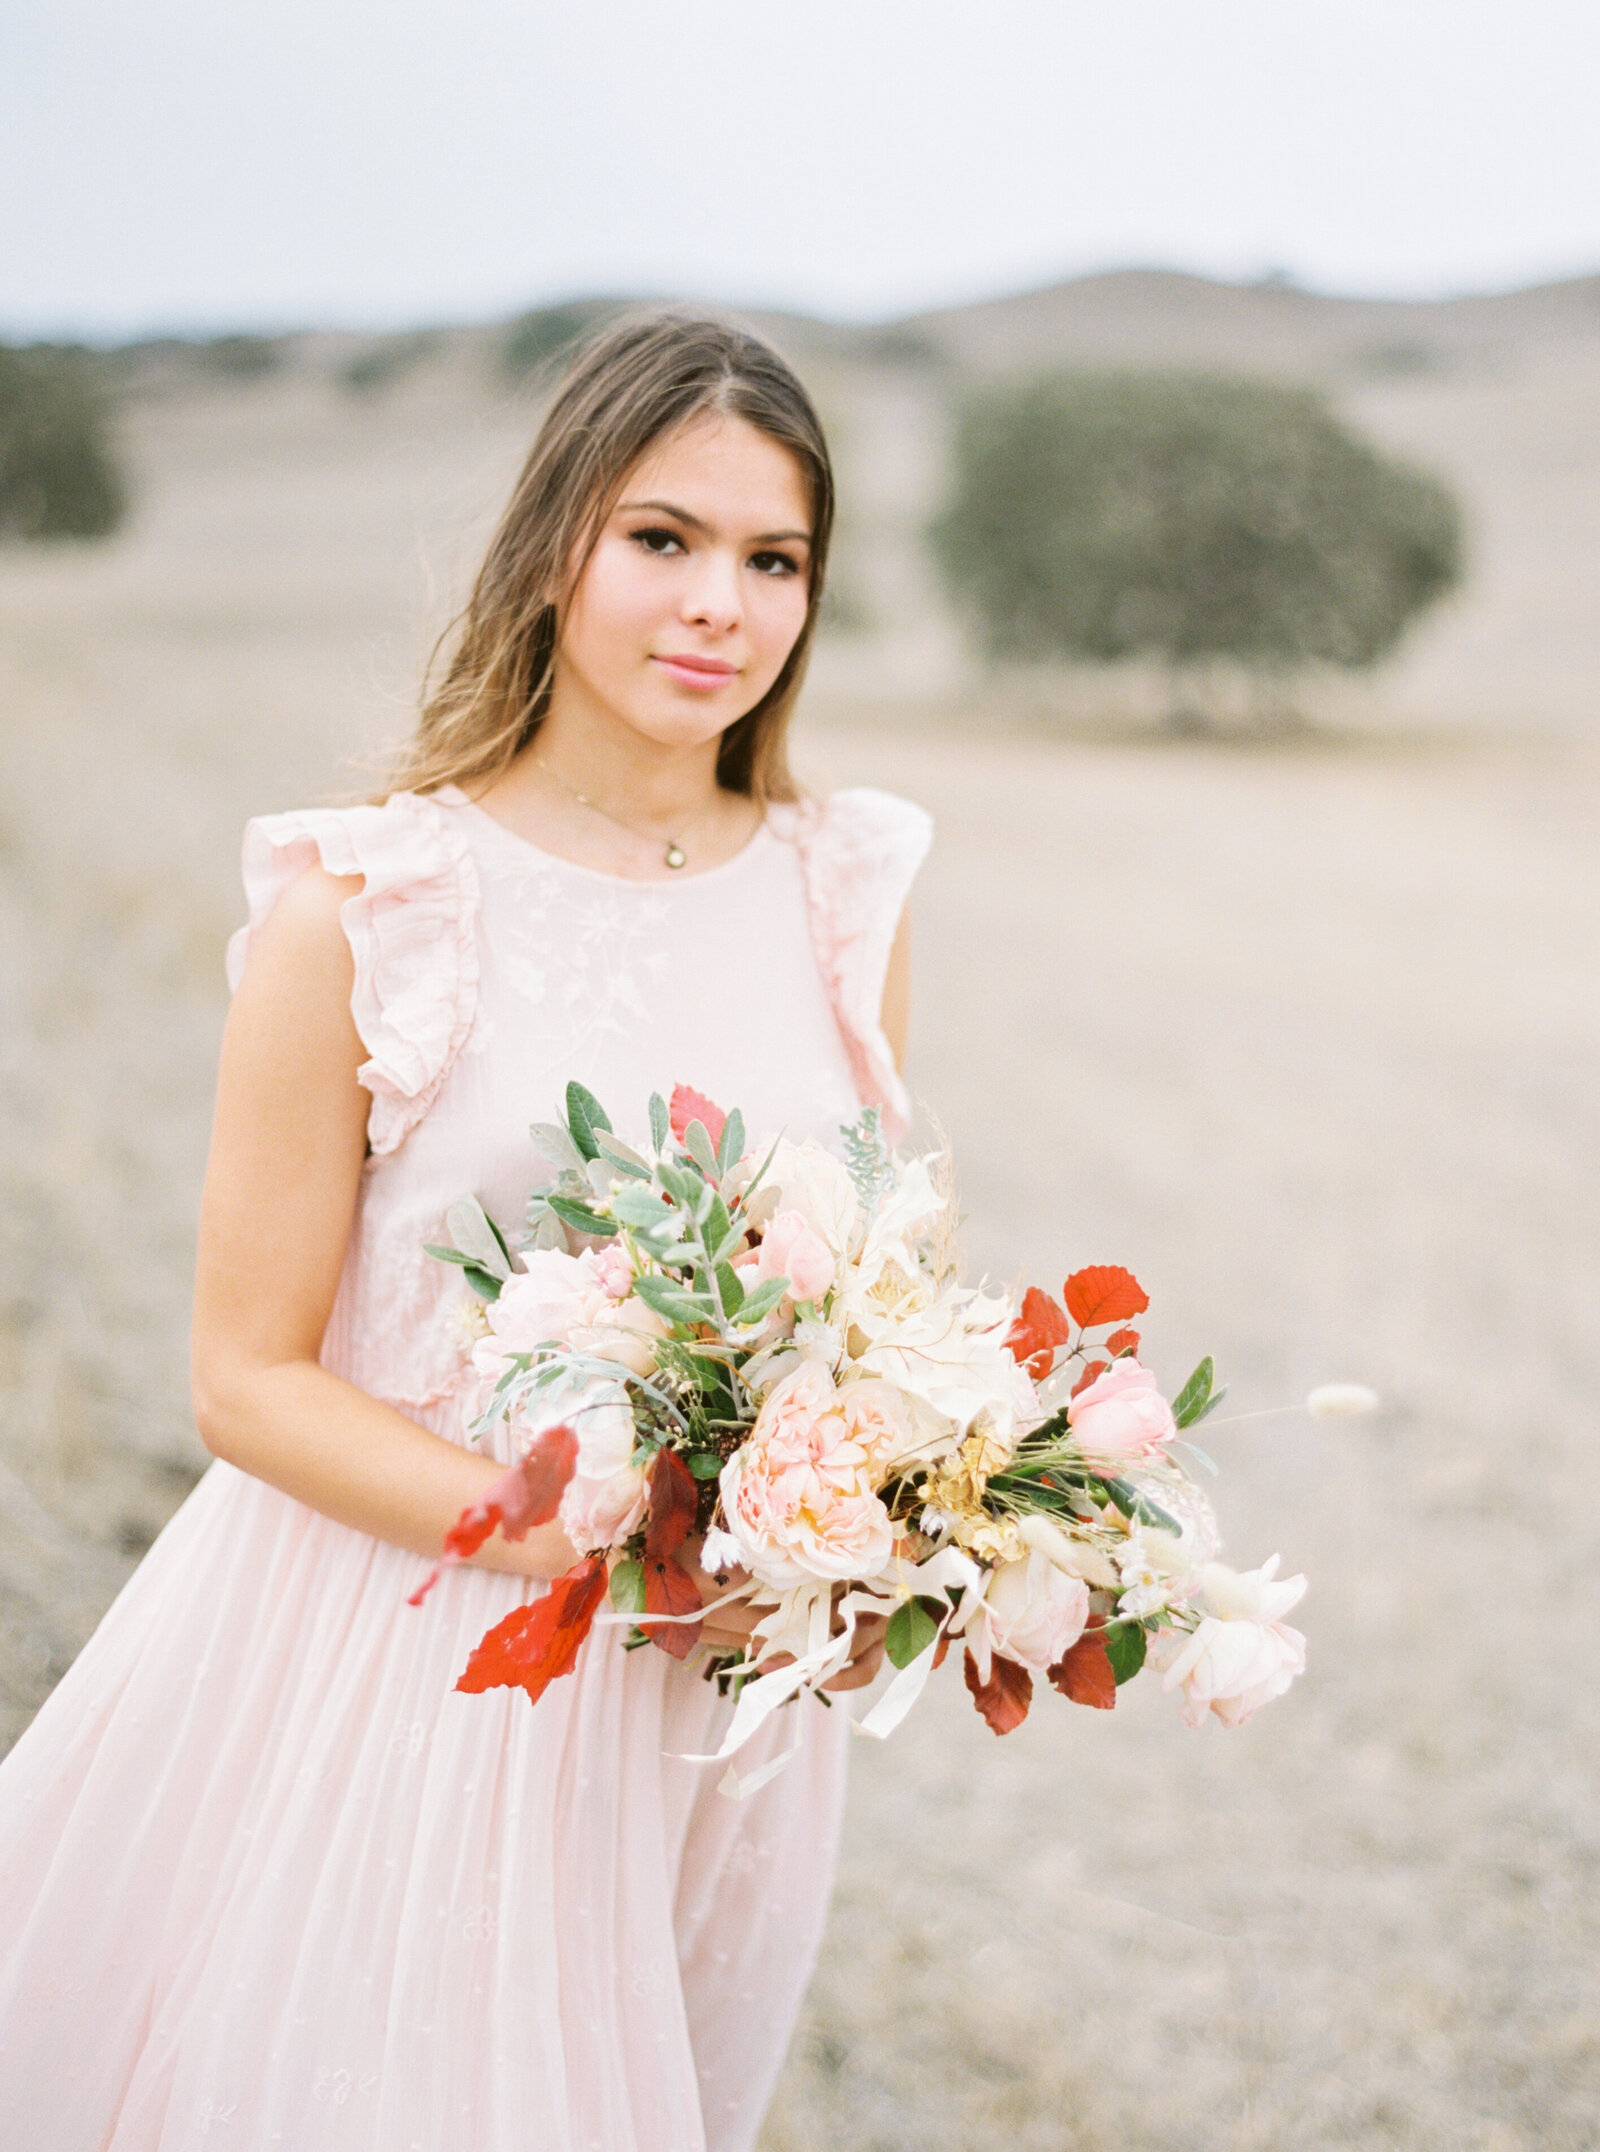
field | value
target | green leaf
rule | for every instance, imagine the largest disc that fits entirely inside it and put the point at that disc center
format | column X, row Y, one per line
column 697, row 1142
column 1132, row 1503
column 473, row 1232
column 678, row 1184
column 719, row 1228
column 552, row 1141
column 581, row 1217
column 584, row 1115
column 757, row 1306
column 445, row 1255
column 660, row 1121
column 1192, row 1401
column 731, row 1148
column 641, row 1207
column 1125, row 1648
column 1211, row 1404
column 910, row 1631
column 670, row 1299
column 705, row 1464
column 627, row 1587
column 621, row 1155
column 730, row 1288
column 483, row 1282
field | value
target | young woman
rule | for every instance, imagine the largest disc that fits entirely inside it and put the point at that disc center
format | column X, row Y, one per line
column 265, row 1878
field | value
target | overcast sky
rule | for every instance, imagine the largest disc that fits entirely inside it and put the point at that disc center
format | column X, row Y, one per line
column 195, row 164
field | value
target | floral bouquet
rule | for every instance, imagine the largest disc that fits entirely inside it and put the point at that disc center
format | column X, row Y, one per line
column 763, row 1360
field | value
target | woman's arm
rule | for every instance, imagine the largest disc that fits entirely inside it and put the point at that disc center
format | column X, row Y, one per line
column 287, row 1149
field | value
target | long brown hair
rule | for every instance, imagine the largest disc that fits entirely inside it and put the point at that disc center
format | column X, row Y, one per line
column 635, row 382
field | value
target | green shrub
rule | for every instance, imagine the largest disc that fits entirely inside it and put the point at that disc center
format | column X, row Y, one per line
column 58, row 478
column 533, row 339
column 240, row 358
column 1186, row 518
column 386, row 362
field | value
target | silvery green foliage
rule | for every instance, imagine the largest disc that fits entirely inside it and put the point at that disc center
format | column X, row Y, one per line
column 867, row 1157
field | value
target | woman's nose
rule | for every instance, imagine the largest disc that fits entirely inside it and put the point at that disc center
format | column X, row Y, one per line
column 713, row 599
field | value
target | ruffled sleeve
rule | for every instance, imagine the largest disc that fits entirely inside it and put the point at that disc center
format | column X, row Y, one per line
column 860, row 850
column 412, row 929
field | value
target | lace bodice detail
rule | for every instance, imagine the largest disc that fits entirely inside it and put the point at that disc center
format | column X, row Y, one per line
column 488, row 973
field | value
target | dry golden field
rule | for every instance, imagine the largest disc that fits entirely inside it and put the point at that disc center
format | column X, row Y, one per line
column 1305, row 1032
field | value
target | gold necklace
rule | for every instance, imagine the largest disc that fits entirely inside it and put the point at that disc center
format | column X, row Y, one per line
column 674, row 856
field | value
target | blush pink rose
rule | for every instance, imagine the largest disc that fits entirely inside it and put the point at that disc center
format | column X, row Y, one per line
column 798, row 1495
column 1122, row 1415
column 600, row 1513
column 792, row 1248
column 1035, row 1612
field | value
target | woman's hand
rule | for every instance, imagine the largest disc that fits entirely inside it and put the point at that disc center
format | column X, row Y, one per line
column 866, row 1654
column 730, row 1628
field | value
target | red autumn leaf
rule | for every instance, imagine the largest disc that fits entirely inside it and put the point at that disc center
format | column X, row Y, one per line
column 670, row 1589
column 674, row 1500
column 1037, row 1331
column 1085, row 1673
column 1121, row 1341
column 536, row 1644
column 1092, row 1373
column 529, row 1494
column 1103, row 1294
column 1004, row 1698
column 690, row 1106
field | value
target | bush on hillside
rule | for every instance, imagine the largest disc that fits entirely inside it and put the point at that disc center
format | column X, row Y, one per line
column 240, row 358
column 386, row 361
column 533, row 339
column 58, row 478
column 1186, row 518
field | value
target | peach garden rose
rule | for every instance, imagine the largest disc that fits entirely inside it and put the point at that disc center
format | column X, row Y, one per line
column 798, row 1496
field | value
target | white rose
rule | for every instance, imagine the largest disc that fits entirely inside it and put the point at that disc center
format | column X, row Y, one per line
column 1242, row 1655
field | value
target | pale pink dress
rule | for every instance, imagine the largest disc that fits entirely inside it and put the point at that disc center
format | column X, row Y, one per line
column 265, row 1878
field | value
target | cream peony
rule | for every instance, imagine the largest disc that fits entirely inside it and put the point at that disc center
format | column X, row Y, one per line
column 1121, row 1416
column 798, row 1496
column 1034, row 1612
column 542, row 1304
column 1242, row 1655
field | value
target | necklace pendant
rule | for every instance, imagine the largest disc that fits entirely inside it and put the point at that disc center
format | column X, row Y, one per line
column 676, row 856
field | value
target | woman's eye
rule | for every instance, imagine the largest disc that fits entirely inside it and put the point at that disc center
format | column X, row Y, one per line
column 774, row 564
column 663, row 543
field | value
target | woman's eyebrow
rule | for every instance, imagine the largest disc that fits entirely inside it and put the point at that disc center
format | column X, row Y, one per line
column 682, row 515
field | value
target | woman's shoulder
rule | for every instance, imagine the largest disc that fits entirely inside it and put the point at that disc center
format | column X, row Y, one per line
column 858, row 820
column 410, row 922
column 858, row 844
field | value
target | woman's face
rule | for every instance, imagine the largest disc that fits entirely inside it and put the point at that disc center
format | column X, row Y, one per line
column 696, row 589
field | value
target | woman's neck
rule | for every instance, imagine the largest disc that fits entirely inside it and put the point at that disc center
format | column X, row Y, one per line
column 624, row 805
column 644, row 781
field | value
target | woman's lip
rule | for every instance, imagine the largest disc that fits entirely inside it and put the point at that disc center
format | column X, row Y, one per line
column 696, row 672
